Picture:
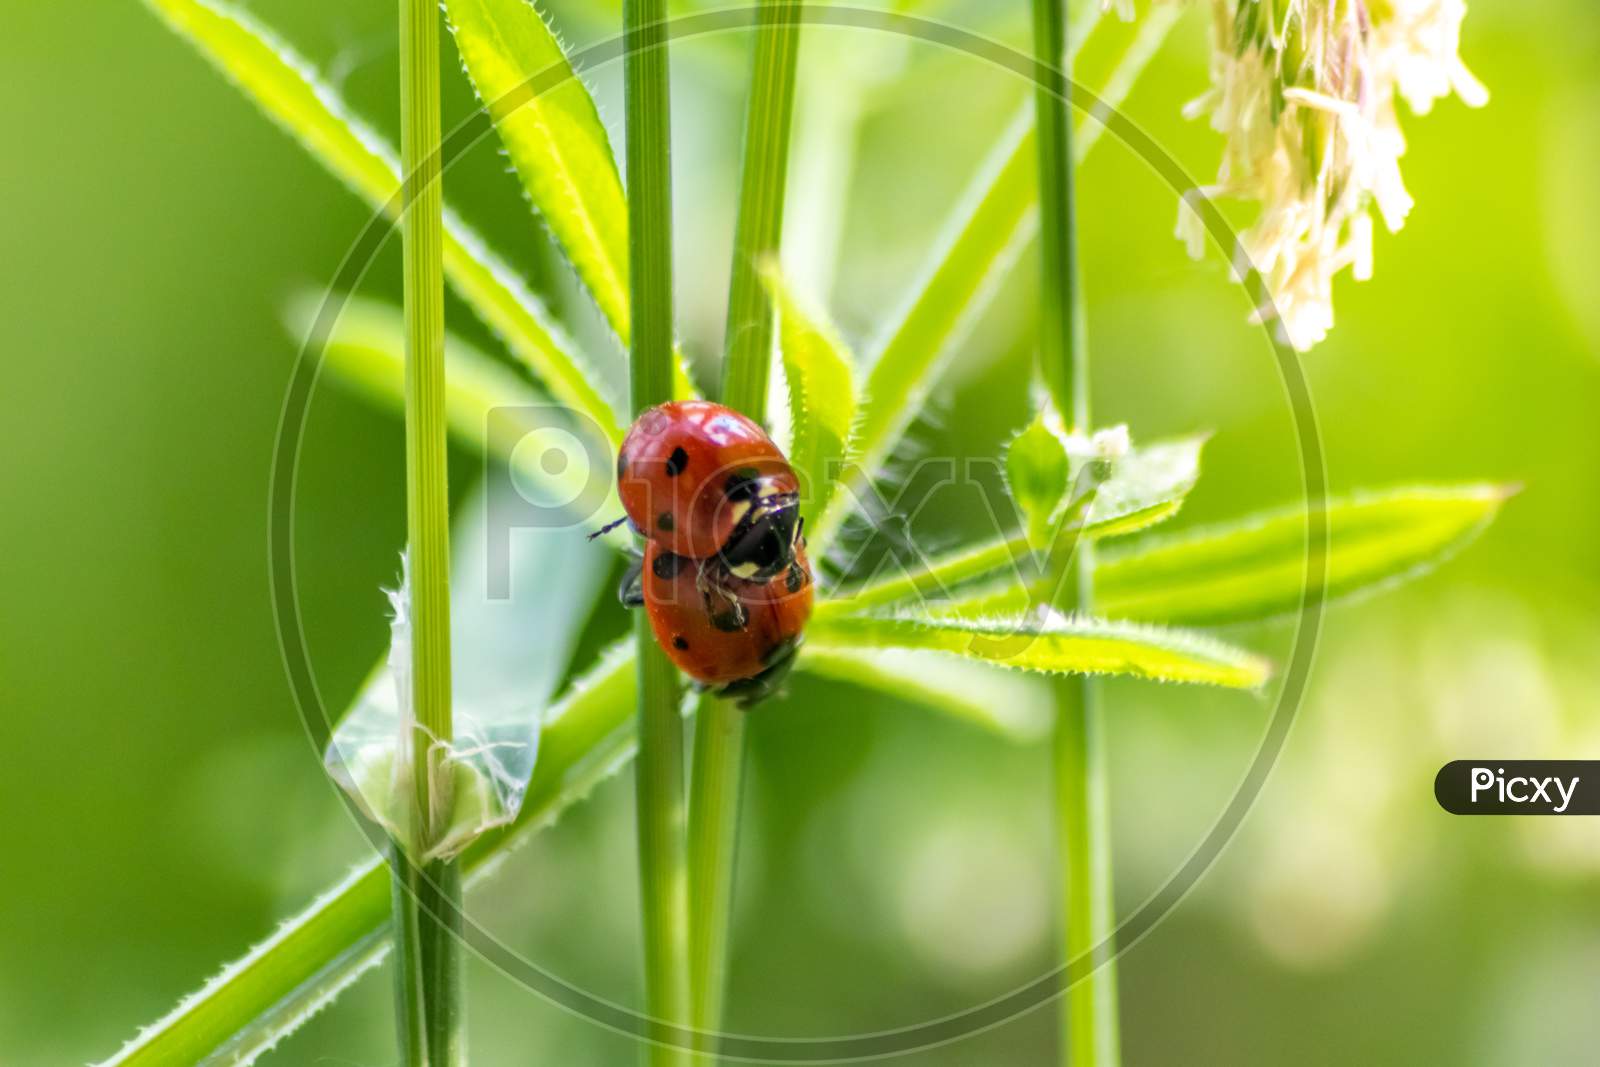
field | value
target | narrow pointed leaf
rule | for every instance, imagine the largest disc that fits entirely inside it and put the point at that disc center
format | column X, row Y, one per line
column 553, row 134
column 1255, row 568
column 822, row 395
column 285, row 87
column 1056, row 646
column 558, row 145
column 270, row 992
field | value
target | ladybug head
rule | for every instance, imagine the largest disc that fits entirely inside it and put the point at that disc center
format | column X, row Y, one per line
column 763, row 541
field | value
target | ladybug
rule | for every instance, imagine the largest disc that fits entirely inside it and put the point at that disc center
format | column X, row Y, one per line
column 724, row 578
column 737, row 636
column 703, row 481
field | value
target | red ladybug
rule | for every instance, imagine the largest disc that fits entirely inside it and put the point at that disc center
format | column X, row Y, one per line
column 702, row 480
column 723, row 631
column 724, row 578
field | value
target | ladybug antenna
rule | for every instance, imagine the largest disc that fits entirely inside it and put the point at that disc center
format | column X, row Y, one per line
column 608, row 527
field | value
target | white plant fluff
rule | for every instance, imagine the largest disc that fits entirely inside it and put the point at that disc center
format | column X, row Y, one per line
column 486, row 766
column 1304, row 92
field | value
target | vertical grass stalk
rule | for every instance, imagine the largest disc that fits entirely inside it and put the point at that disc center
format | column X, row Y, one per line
column 427, row 961
column 747, row 358
column 719, row 745
column 658, row 772
column 1089, row 1034
column 715, row 795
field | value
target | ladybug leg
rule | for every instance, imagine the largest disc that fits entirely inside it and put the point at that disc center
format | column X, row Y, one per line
column 749, row 692
column 631, row 589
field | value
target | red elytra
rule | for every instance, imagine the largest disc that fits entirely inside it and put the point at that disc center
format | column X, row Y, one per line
column 716, row 628
column 685, row 474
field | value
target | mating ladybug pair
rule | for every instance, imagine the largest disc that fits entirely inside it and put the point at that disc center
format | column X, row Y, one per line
column 724, row 578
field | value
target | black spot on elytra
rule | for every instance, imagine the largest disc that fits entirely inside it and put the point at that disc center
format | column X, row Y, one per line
column 665, row 565
column 679, row 643
column 622, row 466
column 795, row 580
column 677, row 462
column 664, row 521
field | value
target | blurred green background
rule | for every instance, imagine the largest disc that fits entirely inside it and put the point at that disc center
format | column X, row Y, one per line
column 166, row 810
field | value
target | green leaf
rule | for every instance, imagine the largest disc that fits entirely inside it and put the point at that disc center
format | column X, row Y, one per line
column 554, row 137
column 981, row 239
column 558, row 145
column 1254, row 569
column 1009, row 703
column 1146, row 485
column 822, row 395
column 258, row 1000
column 284, row 86
column 1054, row 646
column 1039, row 474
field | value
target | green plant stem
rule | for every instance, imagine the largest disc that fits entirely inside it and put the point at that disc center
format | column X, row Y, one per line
column 427, row 977
column 1090, row 1032
column 1063, row 351
column 715, row 792
column 748, row 339
column 719, row 743
column 427, row 497
column 649, row 153
column 663, row 885
column 426, row 909
column 1089, row 1035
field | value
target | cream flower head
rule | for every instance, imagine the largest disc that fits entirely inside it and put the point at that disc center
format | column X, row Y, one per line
column 1304, row 93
